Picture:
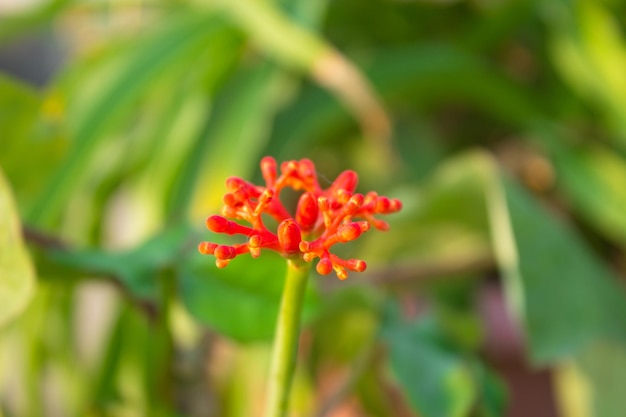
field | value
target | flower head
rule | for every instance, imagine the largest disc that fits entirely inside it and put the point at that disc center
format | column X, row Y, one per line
column 322, row 218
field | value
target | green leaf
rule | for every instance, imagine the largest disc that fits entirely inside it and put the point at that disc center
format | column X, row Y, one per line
column 416, row 76
column 589, row 385
column 493, row 393
column 238, row 130
column 30, row 143
column 137, row 269
column 108, row 93
column 443, row 223
column 240, row 301
column 595, row 168
column 436, row 379
column 17, row 274
column 12, row 26
column 589, row 50
column 552, row 277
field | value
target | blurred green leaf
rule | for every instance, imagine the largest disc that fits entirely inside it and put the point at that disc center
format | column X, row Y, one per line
column 275, row 33
column 594, row 178
column 589, row 384
column 242, row 300
column 455, row 312
column 436, row 379
column 20, row 106
column 108, row 98
column 533, row 249
column 418, row 76
column 30, row 142
column 253, row 95
column 137, row 269
column 347, row 324
column 589, row 50
column 17, row 274
column 444, row 222
column 131, row 375
column 493, row 394
column 553, row 279
column 12, row 26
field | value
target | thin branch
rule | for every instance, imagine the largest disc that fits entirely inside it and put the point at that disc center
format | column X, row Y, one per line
column 49, row 243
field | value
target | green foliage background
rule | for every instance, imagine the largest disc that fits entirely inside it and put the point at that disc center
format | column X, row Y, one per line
column 500, row 124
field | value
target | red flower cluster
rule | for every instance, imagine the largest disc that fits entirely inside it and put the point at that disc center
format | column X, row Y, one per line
column 323, row 217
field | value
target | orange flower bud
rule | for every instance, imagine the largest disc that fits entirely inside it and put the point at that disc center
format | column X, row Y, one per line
column 207, row 248
column 324, row 266
column 225, row 252
column 356, row 265
column 348, row 232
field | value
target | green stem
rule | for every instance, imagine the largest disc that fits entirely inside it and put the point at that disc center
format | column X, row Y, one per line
column 286, row 339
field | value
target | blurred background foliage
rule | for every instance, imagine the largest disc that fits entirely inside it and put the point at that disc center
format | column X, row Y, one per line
column 498, row 291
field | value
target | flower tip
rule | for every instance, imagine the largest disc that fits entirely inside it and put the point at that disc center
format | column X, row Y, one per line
column 382, row 204
column 341, row 273
column 289, row 167
column 306, row 169
column 324, row 266
column 217, row 224
column 268, row 170
column 224, row 252
column 234, row 184
column 347, row 181
column 395, row 205
column 356, row 265
column 230, row 200
column 307, row 211
column 381, row 225
column 289, row 236
column 354, row 203
column 206, row 248
column 348, row 232
column 221, row 263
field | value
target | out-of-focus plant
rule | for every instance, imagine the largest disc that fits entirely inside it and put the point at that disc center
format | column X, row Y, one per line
column 498, row 124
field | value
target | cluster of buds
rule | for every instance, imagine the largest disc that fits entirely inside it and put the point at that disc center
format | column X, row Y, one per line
column 322, row 219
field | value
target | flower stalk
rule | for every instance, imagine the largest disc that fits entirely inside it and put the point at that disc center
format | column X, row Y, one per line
column 286, row 339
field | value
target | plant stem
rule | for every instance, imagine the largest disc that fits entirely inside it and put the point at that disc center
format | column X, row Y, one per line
column 286, row 340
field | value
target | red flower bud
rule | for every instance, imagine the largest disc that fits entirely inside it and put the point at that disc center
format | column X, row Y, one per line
column 289, row 236
column 347, row 180
column 395, row 205
column 382, row 205
column 326, row 216
column 355, row 203
column 307, row 212
column 268, row 170
column 218, row 224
